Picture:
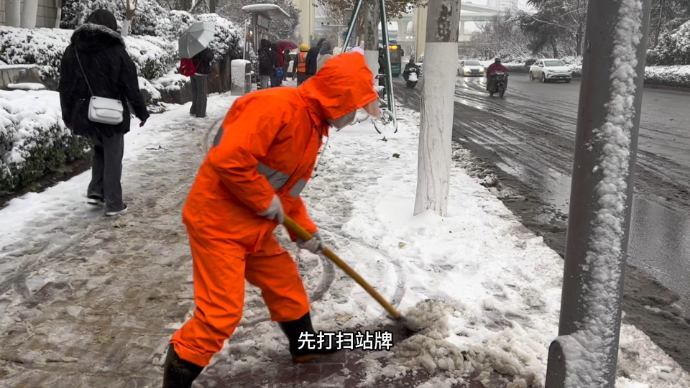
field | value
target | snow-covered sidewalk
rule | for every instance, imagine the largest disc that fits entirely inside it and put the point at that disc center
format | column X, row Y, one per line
column 88, row 301
column 496, row 283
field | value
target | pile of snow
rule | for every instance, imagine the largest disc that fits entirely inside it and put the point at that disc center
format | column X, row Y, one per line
column 33, row 138
column 26, row 86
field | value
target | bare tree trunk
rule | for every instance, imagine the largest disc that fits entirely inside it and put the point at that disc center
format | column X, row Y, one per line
column 554, row 46
column 58, row 17
column 578, row 40
column 212, row 6
column 435, row 137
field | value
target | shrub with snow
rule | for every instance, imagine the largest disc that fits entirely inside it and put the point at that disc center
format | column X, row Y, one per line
column 33, row 138
column 673, row 47
column 44, row 47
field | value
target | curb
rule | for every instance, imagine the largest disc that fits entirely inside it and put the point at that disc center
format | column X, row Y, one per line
column 669, row 88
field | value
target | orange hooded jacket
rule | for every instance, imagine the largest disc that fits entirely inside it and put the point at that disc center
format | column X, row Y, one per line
column 268, row 143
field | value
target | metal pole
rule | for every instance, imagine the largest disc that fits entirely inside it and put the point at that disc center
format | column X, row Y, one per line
column 358, row 5
column 601, row 194
column 388, row 72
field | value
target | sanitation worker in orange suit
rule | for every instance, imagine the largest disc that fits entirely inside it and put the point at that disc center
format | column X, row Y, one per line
column 261, row 159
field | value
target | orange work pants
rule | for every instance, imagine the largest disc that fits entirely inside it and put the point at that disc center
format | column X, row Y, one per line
column 220, row 268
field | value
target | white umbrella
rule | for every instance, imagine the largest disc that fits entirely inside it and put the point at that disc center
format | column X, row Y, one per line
column 196, row 38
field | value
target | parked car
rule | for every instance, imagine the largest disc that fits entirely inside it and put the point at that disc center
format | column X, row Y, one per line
column 547, row 70
column 471, row 68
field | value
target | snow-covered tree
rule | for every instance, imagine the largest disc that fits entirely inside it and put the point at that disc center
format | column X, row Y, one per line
column 130, row 10
column 435, row 137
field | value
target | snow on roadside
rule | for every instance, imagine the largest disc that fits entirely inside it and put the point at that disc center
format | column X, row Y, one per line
column 499, row 283
column 35, row 214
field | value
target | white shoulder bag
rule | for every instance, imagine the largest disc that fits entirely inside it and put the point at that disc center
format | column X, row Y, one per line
column 102, row 110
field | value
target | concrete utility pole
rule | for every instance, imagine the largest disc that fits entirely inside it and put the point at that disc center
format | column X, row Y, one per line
column 585, row 354
column 438, row 91
column 29, row 13
column 13, row 13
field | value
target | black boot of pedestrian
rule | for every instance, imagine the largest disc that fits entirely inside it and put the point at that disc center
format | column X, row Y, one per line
column 178, row 373
column 293, row 331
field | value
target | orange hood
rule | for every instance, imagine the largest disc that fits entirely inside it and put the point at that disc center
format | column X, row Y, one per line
column 343, row 85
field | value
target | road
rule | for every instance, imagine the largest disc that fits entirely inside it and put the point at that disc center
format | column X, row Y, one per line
column 527, row 139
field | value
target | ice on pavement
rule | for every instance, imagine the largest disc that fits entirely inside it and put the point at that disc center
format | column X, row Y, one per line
column 484, row 289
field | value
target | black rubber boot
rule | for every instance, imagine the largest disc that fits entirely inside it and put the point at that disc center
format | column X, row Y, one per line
column 178, row 373
column 293, row 330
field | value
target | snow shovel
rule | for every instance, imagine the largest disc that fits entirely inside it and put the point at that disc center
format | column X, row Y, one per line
column 304, row 235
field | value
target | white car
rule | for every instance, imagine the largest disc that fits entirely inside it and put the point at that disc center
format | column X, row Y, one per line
column 471, row 68
column 550, row 70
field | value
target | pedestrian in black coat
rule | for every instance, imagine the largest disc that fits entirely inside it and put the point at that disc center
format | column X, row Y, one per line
column 312, row 57
column 202, row 62
column 111, row 73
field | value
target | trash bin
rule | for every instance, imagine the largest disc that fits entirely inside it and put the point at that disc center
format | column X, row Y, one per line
column 240, row 73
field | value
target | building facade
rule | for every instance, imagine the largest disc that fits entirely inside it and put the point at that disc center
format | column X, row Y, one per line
column 45, row 17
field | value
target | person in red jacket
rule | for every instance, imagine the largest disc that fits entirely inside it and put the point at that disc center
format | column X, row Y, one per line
column 494, row 68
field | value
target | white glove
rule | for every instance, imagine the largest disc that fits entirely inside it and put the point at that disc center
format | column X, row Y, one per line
column 274, row 211
column 315, row 245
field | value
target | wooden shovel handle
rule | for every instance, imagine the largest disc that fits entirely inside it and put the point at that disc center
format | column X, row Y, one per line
column 304, row 235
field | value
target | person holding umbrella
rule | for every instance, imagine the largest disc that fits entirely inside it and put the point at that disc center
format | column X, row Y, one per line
column 202, row 62
column 194, row 44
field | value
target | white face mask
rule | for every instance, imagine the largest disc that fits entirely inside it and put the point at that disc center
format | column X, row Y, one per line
column 343, row 121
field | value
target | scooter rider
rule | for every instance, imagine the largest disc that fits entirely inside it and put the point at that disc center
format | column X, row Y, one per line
column 410, row 65
column 494, row 68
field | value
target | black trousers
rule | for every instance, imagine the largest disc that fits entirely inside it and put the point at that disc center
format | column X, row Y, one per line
column 199, row 95
column 106, row 170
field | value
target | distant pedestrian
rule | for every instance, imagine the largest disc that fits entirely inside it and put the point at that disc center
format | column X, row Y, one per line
column 278, row 71
column 97, row 64
column 325, row 53
column 301, row 65
column 266, row 62
column 286, row 63
column 202, row 62
column 312, row 58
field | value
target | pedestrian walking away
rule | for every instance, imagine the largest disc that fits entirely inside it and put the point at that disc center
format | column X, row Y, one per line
column 312, row 57
column 278, row 65
column 202, row 62
column 300, row 71
column 266, row 64
column 250, row 180
column 97, row 64
column 325, row 53
column 286, row 63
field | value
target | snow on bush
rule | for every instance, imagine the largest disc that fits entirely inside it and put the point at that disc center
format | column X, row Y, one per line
column 33, row 138
column 676, row 76
column 171, row 81
column 145, row 22
column 673, row 47
column 153, row 56
column 44, row 47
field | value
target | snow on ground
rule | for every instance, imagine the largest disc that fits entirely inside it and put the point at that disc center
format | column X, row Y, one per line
column 84, row 288
column 499, row 283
